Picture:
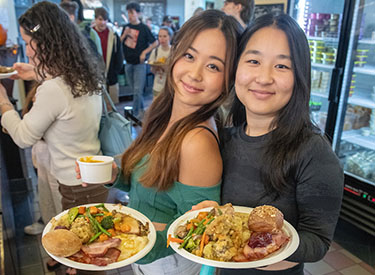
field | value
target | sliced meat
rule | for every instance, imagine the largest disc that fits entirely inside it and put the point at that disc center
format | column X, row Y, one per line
column 80, row 257
column 113, row 254
column 262, row 244
column 100, row 248
column 110, row 257
column 133, row 223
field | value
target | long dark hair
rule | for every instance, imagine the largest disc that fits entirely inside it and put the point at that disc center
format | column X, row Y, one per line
column 61, row 48
column 292, row 125
column 163, row 164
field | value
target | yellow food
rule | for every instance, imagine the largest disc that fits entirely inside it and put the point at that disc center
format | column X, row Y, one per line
column 89, row 160
column 83, row 229
column 130, row 245
column 5, row 70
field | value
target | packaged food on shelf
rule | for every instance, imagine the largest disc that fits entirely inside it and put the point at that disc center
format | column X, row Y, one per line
column 362, row 164
column 360, row 64
column 328, row 61
column 372, row 122
column 349, row 121
column 356, row 117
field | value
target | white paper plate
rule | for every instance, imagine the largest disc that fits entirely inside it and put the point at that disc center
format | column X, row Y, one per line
column 7, row 75
column 275, row 257
column 120, row 208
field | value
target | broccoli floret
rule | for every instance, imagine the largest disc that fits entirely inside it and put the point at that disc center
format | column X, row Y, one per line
column 107, row 222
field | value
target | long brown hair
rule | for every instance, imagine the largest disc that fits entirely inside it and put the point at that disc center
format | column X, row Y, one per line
column 163, row 162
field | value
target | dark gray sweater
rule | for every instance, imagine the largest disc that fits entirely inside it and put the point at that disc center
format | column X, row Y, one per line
column 312, row 201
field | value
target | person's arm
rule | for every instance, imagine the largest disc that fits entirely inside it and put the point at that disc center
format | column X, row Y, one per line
column 152, row 46
column 319, row 193
column 5, row 104
column 49, row 104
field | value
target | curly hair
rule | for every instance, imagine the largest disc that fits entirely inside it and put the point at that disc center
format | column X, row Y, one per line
column 61, row 49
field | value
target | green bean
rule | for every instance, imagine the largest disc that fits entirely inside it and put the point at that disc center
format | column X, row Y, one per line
column 102, row 206
column 97, row 224
column 94, row 237
column 187, row 237
column 97, row 215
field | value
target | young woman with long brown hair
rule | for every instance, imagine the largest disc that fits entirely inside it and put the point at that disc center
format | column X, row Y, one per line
column 175, row 161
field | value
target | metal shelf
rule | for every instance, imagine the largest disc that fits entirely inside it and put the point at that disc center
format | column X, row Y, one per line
column 315, row 93
column 359, row 178
column 365, row 70
column 355, row 136
column 326, row 39
column 364, row 101
column 367, row 41
column 323, row 66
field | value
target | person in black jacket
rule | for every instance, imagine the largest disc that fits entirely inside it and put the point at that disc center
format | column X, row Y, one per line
column 112, row 51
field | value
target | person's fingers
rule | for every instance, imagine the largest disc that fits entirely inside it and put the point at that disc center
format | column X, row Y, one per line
column 204, row 204
column 84, row 184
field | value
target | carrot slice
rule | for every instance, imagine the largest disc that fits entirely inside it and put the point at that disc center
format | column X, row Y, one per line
column 81, row 210
column 174, row 240
column 202, row 244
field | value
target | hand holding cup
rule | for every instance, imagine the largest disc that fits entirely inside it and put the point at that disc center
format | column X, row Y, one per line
column 96, row 170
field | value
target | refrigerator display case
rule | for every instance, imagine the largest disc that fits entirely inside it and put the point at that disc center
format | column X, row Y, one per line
column 341, row 35
column 322, row 22
column 354, row 133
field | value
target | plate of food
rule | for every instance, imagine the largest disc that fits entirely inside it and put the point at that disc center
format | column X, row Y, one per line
column 233, row 236
column 98, row 236
column 162, row 61
column 6, row 72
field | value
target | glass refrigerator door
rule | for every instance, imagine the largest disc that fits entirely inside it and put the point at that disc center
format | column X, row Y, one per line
column 354, row 136
column 321, row 20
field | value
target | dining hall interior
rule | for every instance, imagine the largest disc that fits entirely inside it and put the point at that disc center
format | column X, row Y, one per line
column 341, row 39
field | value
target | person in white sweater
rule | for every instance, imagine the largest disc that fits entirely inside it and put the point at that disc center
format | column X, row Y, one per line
column 67, row 109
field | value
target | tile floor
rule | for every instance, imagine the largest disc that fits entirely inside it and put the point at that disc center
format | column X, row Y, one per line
column 350, row 260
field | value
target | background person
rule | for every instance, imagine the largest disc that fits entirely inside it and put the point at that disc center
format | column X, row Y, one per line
column 112, row 52
column 93, row 38
column 138, row 43
column 161, row 53
column 67, row 108
column 274, row 154
column 242, row 10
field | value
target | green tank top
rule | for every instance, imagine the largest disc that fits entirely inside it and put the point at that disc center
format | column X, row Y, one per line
column 163, row 206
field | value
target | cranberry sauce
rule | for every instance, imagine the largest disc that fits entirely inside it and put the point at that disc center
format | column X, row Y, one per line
column 260, row 239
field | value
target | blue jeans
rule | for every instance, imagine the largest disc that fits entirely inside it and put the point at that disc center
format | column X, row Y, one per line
column 136, row 77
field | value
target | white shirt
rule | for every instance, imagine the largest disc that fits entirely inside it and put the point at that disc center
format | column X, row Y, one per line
column 68, row 125
column 160, row 78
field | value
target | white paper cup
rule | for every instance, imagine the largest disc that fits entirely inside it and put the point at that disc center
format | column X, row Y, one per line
column 95, row 169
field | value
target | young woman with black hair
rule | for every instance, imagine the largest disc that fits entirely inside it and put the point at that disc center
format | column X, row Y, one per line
column 273, row 154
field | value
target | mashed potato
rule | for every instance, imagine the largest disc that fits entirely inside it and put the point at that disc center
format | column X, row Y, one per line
column 130, row 245
column 82, row 229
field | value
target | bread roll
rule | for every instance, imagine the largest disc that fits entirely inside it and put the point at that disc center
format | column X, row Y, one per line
column 266, row 218
column 61, row 242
